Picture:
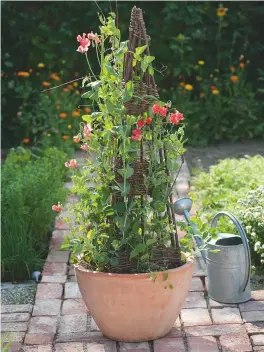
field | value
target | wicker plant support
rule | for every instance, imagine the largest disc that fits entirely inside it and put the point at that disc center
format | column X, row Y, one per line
column 146, row 85
column 166, row 257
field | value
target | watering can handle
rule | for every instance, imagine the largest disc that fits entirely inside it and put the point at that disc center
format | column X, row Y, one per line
column 244, row 241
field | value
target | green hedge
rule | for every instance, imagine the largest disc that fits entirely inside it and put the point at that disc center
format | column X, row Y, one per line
column 182, row 34
column 30, row 186
column 237, row 186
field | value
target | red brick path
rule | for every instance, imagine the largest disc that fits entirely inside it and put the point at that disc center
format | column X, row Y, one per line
column 60, row 322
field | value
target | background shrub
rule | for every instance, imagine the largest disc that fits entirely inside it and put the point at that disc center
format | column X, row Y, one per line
column 182, row 35
column 31, row 184
column 233, row 185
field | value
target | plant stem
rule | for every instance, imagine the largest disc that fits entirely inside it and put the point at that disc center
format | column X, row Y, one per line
column 89, row 66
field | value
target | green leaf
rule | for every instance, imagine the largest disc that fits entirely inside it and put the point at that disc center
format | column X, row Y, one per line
column 140, row 247
column 114, row 261
column 140, row 49
column 93, row 95
column 146, row 61
column 151, row 241
column 129, row 90
column 151, row 70
column 128, row 172
column 122, row 49
column 95, row 85
column 110, row 70
column 124, row 188
column 87, row 118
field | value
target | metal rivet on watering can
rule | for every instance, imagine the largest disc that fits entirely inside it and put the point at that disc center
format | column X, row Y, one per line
column 228, row 270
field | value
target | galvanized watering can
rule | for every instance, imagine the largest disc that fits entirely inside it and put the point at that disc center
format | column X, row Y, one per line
column 227, row 259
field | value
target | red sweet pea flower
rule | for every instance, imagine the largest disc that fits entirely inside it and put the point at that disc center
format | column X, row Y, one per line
column 156, row 108
column 148, row 120
column 57, row 208
column 136, row 134
column 176, row 117
column 141, row 123
column 163, row 111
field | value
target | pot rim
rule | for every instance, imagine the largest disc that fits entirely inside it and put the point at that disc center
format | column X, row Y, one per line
column 189, row 261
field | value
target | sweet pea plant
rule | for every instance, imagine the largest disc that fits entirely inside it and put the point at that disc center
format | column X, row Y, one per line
column 109, row 220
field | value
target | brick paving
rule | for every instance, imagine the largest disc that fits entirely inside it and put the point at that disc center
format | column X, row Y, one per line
column 60, row 322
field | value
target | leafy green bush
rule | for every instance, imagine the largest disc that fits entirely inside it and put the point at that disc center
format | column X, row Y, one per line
column 234, row 185
column 31, row 184
column 188, row 33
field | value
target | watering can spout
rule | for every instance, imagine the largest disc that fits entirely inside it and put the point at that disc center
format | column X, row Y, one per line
column 227, row 259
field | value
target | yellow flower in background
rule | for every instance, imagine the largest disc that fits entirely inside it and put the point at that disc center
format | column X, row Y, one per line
column 69, row 126
column 198, row 78
column 76, row 114
column 201, row 62
column 23, row 74
column 180, row 37
column 241, row 57
column 215, row 91
column 211, row 75
column 62, row 115
column 234, row 79
column 221, row 11
column 41, row 65
column 48, row 134
column 65, row 138
column 188, row 87
column 182, row 84
column 216, row 69
column 45, row 84
column 241, row 65
column 75, row 84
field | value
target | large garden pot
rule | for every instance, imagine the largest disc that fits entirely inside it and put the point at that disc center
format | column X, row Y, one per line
column 132, row 307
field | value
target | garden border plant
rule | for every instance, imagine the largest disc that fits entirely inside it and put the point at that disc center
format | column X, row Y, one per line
column 31, row 182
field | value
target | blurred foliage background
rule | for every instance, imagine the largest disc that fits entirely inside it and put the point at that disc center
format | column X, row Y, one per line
column 209, row 57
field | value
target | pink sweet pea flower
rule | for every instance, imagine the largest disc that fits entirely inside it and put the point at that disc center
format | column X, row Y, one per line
column 57, row 208
column 84, row 146
column 136, row 134
column 72, row 164
column 77, row 138
column 163, row 111
column 87, row 129
column 176, row 117
column 84, row 43
column 156, row 108
column 94, row 37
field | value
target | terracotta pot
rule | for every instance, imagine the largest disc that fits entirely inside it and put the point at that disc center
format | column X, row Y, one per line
column 131, row 307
